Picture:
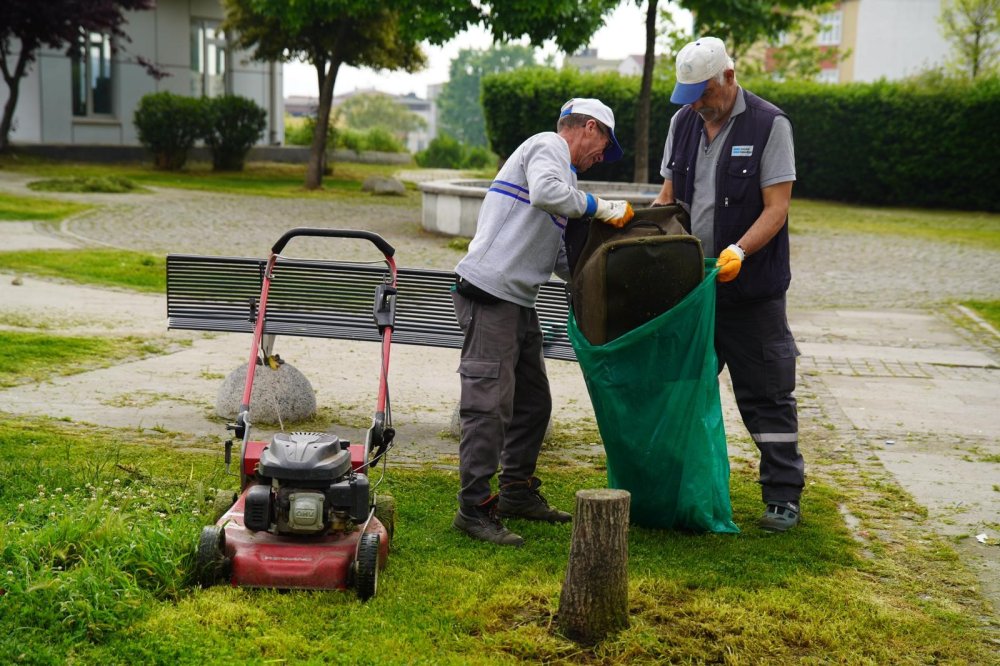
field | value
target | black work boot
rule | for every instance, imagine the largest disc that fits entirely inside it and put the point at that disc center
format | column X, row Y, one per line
column 780, row 516
column 481, row 522
column 521, row 499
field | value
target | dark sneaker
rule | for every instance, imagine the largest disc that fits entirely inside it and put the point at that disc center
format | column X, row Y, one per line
column 521, row 499
column 779, row 517
column 481, row 522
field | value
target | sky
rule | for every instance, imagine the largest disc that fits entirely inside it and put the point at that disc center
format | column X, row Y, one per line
column 623, row 35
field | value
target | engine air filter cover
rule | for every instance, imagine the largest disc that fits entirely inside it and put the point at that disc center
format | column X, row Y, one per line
column 305, row 456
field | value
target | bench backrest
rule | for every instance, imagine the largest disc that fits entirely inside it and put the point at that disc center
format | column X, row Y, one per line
column 325, row 299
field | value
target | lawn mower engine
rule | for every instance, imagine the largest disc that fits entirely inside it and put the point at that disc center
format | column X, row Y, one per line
column 306, row 487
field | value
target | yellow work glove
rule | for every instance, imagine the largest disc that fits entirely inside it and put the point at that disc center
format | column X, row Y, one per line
column 616, row 213
column 729, row 263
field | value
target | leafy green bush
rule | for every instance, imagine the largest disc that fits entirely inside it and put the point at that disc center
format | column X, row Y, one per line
column 349, row 139
column 382, row 140
column 521, row 103
column 168, row 125
column 478, row 157
column 233, row 124
column 300, row 133
column 443, row 152
column 902, row 143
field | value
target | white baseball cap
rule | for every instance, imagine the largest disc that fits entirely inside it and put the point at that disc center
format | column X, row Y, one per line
column 698, row 62
column 597, row 110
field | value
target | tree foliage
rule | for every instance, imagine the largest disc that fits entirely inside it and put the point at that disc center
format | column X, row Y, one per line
column 460, row 112
column 743, row 23
column 28, row 25
column 366, row 111
column 569, row 23
column 973, row 28
column 386, row 35
column 331, row 33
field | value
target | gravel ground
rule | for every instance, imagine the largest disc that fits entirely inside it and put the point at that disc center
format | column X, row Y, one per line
column 830, row 270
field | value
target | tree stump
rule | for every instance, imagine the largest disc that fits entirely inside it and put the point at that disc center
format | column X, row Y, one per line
column 594, row 600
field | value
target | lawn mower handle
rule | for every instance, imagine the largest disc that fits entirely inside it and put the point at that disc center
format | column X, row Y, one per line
column 377, row 240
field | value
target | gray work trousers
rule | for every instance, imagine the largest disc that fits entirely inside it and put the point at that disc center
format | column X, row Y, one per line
column 506, row 404
column 754, row 340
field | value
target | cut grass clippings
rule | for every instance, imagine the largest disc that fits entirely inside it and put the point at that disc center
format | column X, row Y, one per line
column 34, row 357
column 98, row 529
column 105, row 184
column 105, row 267
column 19, row 208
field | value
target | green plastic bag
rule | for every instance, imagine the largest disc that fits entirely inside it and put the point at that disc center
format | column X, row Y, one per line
column 655, row 392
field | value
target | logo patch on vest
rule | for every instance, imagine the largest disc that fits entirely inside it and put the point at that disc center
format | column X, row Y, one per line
column 742, row 151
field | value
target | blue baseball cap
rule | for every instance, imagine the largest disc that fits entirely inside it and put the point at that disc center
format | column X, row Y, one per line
column 698, row 62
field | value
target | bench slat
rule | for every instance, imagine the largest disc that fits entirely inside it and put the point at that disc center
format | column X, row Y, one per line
column 332, row 300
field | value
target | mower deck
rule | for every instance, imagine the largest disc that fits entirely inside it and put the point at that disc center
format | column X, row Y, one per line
column 262, row 559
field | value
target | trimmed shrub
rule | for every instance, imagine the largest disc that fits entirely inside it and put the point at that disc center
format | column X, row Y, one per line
column 443, row 152
column 233, row 124
column 382, row 140
column 299, row 133
column 901, row 143
column 478, row 157
column 168, row 125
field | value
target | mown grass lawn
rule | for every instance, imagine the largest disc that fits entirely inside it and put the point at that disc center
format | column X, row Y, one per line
column 98, row 529
column 33, row 357
column 270, row 179
column 22, row 208
column 105, row 267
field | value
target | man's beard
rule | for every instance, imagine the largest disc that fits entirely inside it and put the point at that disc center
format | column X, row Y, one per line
column 709, row 114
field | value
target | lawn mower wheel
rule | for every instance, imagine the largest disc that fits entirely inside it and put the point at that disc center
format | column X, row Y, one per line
column 211, row 558
column 366, row 567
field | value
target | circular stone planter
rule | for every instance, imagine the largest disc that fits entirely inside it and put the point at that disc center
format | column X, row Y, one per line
column 452, row 206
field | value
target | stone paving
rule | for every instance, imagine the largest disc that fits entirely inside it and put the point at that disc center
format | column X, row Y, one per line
column 904, row 376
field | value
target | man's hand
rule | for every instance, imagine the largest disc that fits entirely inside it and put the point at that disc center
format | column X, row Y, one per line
column 616, row 213
column 729, row 263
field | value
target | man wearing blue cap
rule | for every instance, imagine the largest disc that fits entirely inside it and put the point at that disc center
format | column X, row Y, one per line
column 729, row 160
column 506, row 404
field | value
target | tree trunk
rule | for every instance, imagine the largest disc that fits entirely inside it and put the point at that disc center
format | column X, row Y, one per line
column 642, row 111
column 594, row 600
column 317, row 152
column 13, row 88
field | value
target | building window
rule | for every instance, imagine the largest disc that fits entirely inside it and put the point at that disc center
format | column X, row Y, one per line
column 831, row 75
column 91, row 70
column 208, row 59
column 829, row 29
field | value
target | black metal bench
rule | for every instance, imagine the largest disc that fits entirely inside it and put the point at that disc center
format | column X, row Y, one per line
column 325, row 299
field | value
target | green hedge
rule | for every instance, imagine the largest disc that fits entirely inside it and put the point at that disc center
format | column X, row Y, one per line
column 879, row 143
column 168, row 125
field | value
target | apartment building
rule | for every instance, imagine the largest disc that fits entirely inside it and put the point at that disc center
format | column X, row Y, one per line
column 890, row 39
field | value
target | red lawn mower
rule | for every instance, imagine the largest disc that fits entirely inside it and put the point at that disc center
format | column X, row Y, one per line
column 307, row 516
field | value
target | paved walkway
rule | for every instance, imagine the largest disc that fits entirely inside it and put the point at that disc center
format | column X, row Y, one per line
column 889, row 365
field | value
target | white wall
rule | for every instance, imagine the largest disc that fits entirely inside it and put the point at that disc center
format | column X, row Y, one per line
column 163, row 36
column 897, row 38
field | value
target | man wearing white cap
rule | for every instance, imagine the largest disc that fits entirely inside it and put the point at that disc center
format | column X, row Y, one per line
column 506, row 404
column 729, row 160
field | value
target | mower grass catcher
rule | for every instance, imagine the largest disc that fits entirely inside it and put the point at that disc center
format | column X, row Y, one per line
column 306, row 516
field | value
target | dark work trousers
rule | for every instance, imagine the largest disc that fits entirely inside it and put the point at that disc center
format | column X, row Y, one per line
column 755, row 342
column 505, row 404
